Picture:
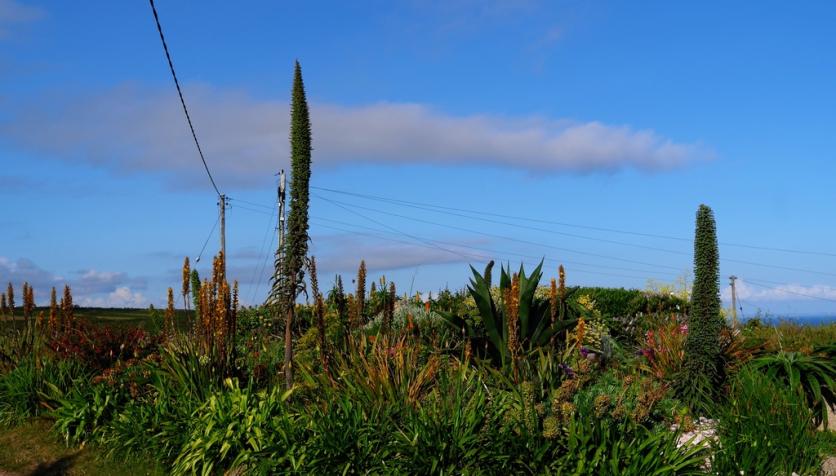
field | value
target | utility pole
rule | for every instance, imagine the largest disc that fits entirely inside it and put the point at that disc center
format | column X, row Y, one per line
column 275, row 293
column 732, row 279
column 282, row 183
column 222, row 211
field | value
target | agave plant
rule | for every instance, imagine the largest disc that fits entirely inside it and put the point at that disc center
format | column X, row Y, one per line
column 531, row 320
column 812, row 376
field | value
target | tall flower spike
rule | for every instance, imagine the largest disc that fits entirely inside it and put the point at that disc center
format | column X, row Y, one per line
column 222, row 315
column 512, row 304
column 389, row 312
column 67, row 307
column 319, row 310
column 342, row 309
column 562, row 286
column 186, row 282
column 31, row 300
column 234, row 303
column 553, row 301
column 169, row 313
column 3, row 307
column 10, row 298
column 25, row 300
column 53, row 312
column 361, row 294
column 39, row 322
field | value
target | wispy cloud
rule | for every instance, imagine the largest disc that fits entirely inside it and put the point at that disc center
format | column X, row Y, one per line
column 342, row 253
column 25, row 270
column 91, row 281
column 13, row 12
column 132, row 129
column 782, row 292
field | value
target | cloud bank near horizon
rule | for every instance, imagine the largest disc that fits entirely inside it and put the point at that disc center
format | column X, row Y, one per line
column 782, row 292
column 135, row 129
column 91, row 288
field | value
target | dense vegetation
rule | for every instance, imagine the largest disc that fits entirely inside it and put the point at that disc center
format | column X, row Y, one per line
column 507, row 376
column 496, row 379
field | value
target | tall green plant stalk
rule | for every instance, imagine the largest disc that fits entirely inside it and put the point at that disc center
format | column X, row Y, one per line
column 341, row 304
column 296, row 246
column 10, row 300
column 319, row 312
column 360, row 297
column 702, row 346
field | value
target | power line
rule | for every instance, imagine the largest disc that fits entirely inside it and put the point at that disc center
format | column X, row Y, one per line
column 479, row 212
column 469, row 230
column 211, row 232
column 266, row 253
column 271, row 208
column 727, row 260
column 182, row 101
column 497, row 254
column 254, row 210
column 571, row 225
column 495, row 251
column 782, row 290
column 333, row 202
column 544, row 230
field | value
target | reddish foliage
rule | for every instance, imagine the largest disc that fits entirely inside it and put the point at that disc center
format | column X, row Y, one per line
column 664, row 348
column 102, row 346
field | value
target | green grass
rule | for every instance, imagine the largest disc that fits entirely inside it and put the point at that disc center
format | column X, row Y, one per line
column 30, row 448
column 113, row 317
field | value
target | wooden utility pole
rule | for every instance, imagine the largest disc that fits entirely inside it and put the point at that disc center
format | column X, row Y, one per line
column 732, row 279
column 222, row 211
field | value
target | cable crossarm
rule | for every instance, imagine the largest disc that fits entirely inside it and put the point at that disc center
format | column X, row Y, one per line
column 182, row 101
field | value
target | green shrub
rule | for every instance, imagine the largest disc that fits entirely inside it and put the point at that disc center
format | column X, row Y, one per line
column 600, row 448
column 811, row 376
column 84, row 411
column 237, row 428
column 531, row 317
column 347, row 437
column 30, row 388
column 457, row 429
column 764, row 429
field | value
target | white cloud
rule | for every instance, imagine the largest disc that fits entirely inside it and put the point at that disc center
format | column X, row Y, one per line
column 245, row 139
column 122, row 296
column 24, row 270
column 783, row 292
column 89, row 287
column 92, row 281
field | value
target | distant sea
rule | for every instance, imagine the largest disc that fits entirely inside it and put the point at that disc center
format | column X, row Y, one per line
column 802, row 320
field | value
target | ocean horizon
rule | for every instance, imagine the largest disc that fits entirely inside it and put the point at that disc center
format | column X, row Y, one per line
column 805, row 320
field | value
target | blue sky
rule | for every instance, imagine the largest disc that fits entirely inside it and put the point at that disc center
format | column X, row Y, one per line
column 612, row 115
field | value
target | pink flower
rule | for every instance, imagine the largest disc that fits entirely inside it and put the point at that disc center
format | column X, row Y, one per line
column 683, row 329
